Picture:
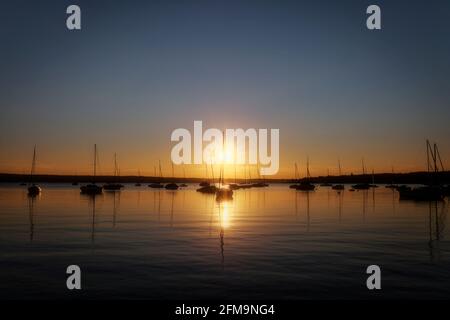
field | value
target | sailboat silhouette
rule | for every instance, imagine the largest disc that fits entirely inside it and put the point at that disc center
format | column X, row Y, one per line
column 33, row 189
column 92, row 188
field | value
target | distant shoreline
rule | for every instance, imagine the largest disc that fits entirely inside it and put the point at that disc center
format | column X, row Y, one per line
column 379, row 178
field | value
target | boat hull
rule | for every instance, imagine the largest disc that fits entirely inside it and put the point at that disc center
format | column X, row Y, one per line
column 156, row 185
column 224, row 194
column 91, row 189
column 171, row 186
column 207, row 189
column 305, row 187
column 112, row 186
column 34, row 190
column 326, row 185
column 361, row 186
column 421, row 194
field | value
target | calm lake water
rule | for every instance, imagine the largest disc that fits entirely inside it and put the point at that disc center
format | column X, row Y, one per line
column 269, row 243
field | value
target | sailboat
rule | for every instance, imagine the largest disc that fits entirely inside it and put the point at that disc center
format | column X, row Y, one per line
column 247, row 184
column 114, row 186
column 184, row 185
column 327, row 184
column 234, row 186
column 259, row 184
column 33, row 189
column 92, row 188
column 338, row 186
column 373, row 185
column 223, row 192
column 172, row 185
column 433, row 191
column 205, row 183
column 362, row 186
column 294, row 186
column 157, row 185
column 138, row 184
column 305, row 185
column 207, row 187
column 392, row 185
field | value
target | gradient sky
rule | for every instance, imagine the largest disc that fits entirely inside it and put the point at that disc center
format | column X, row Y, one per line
column 137, row 70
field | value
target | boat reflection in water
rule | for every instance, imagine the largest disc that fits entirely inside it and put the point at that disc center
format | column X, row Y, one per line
column 224, row 218
column 31, row 203
column 265, row 243
column 437, row 220
column 92, row 188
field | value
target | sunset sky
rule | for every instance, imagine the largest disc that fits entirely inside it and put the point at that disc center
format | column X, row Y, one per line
column 138, row 70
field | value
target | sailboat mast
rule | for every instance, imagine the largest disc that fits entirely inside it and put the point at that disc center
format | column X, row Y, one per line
column 392, row 177
column 220, row 176
column 115, row 165
column 212, row 171
column 307, row 168
column 223, row 160
column 95, row 161
column 33, row 164
column 173, row 172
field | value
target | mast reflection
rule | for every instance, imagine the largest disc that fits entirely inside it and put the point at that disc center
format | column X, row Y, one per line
column 224, row 209
column 437, row 218
column 31, row 203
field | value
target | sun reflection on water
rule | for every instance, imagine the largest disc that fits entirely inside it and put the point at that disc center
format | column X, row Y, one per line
column 225, row 208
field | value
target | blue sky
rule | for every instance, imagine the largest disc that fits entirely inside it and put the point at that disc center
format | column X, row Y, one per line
column 137, row 70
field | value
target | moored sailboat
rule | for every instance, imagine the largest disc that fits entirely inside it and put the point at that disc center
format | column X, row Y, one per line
column 223, row 192
column 138, row 184
column 294, row 186
column 327, row 184
column 33, row 189
column 392, row 185
column 338, row 186
column 92, row 188
column 206, row 187
column 172, row 185
column 157, row 185
column 261, row 182
column 362, row 186
column 433, row 191
column 114, row 186
column 305, row 184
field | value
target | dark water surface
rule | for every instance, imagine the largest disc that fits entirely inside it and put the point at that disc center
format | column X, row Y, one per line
column 270, row 243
